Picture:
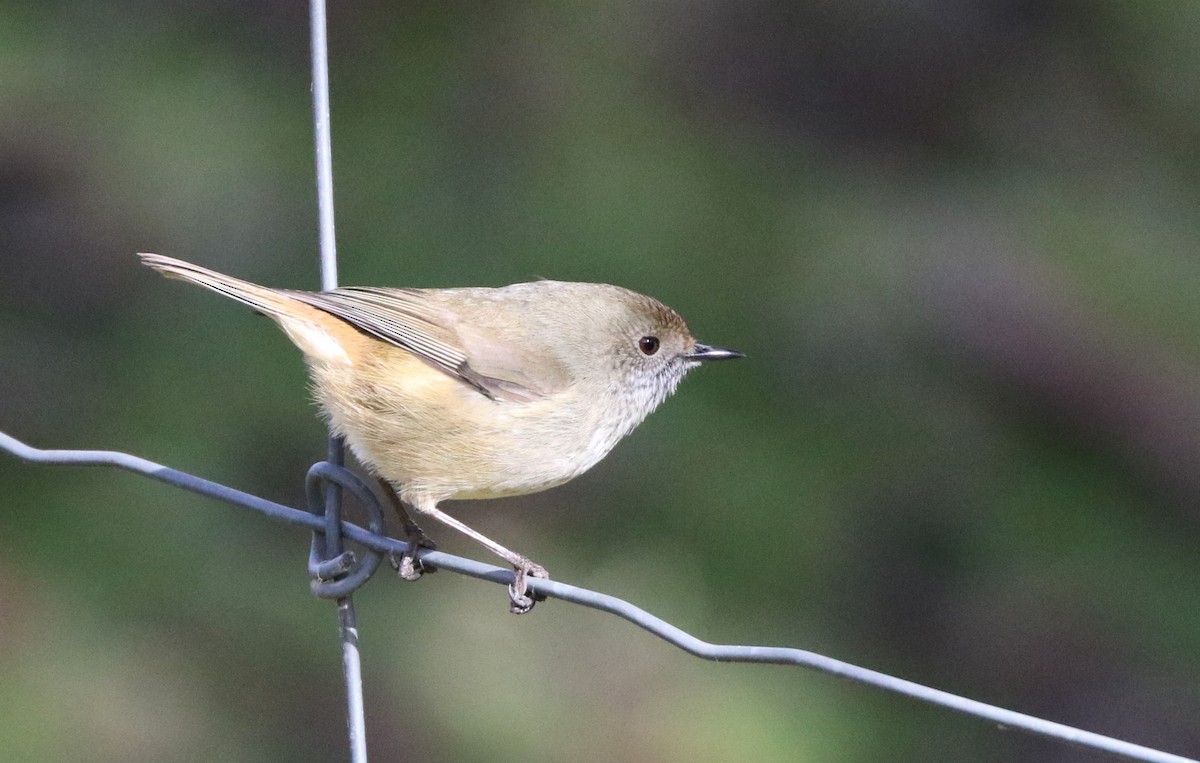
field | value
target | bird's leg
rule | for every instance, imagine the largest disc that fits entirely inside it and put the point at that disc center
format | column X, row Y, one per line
column 407, row 565
column 521, row 600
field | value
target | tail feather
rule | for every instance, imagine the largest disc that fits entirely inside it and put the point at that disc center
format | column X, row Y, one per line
column 319, row 335
column 261, row 298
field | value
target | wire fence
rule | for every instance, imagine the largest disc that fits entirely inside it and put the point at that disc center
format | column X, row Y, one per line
column 350, row 570
column 336, row 572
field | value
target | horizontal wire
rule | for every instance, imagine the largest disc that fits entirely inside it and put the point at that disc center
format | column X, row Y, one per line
column 603, row 602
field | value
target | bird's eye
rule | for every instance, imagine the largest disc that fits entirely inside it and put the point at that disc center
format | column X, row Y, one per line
column 648, row 345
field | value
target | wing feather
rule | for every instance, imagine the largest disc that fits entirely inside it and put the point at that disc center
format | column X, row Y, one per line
column 409, row 319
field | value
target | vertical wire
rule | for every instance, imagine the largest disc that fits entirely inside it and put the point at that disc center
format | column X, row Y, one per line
column 347, row 623
column 324, row 152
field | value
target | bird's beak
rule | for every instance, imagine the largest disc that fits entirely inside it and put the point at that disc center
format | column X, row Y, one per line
column 705, row 352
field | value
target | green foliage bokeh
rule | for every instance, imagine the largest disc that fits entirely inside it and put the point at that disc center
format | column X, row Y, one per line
column 957, row 242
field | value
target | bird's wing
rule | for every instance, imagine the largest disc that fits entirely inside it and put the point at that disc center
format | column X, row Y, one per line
column 407, row 318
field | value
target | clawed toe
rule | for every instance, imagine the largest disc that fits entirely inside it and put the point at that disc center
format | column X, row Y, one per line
column 407, row 565
column 520, row 600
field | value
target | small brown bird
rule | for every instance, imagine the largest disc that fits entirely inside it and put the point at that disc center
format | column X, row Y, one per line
column 477, row 392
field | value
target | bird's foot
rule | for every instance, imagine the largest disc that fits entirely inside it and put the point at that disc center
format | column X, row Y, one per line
column 520, row 600
column 406, row 564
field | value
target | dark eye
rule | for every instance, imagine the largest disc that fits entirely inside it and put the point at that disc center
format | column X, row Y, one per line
column 648, row 345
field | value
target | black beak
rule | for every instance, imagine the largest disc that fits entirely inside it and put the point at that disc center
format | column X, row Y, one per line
column 705, row 352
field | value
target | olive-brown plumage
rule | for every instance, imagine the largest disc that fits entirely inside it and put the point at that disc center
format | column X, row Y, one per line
column 477, row 392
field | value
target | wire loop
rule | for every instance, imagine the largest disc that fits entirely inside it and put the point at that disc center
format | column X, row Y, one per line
column 336, row 573
column 375, row 540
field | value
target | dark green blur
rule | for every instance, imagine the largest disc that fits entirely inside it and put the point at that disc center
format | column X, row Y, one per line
column 958, row 242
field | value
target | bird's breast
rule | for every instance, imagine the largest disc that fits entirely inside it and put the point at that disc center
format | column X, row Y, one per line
column 437, row 438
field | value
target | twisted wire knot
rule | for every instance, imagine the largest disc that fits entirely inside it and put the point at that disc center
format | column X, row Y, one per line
column 336, row 572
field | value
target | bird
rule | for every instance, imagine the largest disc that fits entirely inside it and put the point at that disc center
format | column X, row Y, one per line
column 476, row 392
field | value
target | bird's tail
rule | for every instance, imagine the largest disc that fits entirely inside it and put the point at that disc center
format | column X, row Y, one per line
column 265, row 300
column 319, row 334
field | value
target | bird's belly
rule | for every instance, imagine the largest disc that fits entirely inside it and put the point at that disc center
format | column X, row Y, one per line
column 435, row 438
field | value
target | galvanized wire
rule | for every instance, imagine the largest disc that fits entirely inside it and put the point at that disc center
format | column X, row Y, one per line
column 604, row 602
column 329, row 551
column 323, row 143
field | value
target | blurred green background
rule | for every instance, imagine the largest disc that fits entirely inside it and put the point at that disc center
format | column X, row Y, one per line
column 958, row 242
